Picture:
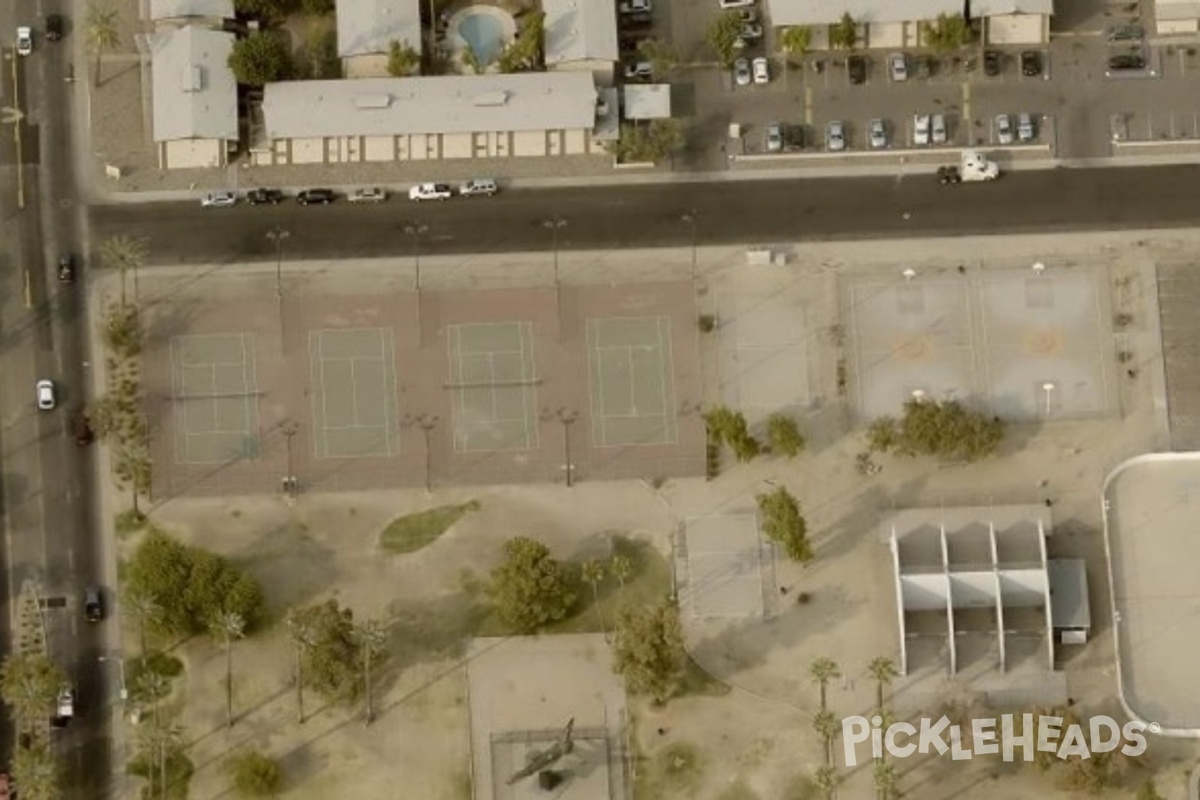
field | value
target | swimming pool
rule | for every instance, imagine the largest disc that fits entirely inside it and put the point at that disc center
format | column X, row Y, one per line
column 485, row 30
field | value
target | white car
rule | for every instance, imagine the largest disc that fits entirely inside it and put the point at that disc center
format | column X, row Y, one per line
column 774, row 137
column 45, row 395
column 938, row 133
column 64, row 707
column 372, row 194
column 878, row 134
column 741, row 72
column 762, row 72
column 24, row 40
column 478, row 186
column 1004, row 131
column 921, row 129
column 219, row 200
column 898, row 67
column 430, row 191
column 835, row 136
column 728, row 4
column 1025, row 130
column 639, row 70
column 634, row 7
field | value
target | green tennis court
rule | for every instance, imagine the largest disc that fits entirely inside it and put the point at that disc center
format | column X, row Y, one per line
column 632, row 381
column 354, row 392
column 493, row 381
column 214, row 389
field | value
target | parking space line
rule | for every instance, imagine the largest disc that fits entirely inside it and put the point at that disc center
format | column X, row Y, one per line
column 808, row 105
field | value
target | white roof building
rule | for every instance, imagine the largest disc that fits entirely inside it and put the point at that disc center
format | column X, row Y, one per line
column 580, row 32
column 194, row 94
column 864, row 12
column 368, row 27
column 181, row 9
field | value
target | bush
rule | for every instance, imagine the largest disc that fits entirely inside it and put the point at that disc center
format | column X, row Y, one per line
column 332, row 658
column 782, row 523
column 946, row 430
column 260, row 58
column 648, row 650
column 530, row 588
column 254, row 775
column 784, row 435
column 729, row 427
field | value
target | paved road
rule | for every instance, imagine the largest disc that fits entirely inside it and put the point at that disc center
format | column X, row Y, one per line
column 650, row 215
column 48, row 519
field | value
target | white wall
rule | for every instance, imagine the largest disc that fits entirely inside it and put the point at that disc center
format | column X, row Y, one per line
column 973, row 589
column 308, row 151
column 923, row 592
column 189, row 153
column 1023, row 587
column 885, row 34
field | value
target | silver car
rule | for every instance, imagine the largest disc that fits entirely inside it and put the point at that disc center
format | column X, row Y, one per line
column 1025, row 130
column 921, row 129
column 898, row 67
column 938, row 130
column 741, row 72
column 835, row 136
column 774, row 137
column 878, row 134
column 1004, row 131
column 219, row 200
column 371, row 194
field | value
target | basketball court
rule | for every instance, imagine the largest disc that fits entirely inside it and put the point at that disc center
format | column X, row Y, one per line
column 726, row 567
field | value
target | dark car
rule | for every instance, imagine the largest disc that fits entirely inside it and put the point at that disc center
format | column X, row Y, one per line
column 638, row 19
column 54, row 27
column 66, row 269
column 628, row 45
column 992, row 63
column 1031, row 63
column 258, row 197
column 93, row 604
column 948, row 175
column 857, row 68
column 1126, row 62
column 81, row 428
column 1126, row 33
column 310, row 197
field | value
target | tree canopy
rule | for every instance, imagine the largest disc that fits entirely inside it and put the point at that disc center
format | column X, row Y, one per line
column 254, row 774
column 529, row 588
column 948, row 33
column 723, row 34
column 648, row 143
column 648, row 650
column 844, row 34
column 29, row 683
column 783, row 524
column 403, row 59
column 260, row 58
column 795, row 40
column 784, row 435
column 189, row 586
column 524, row 53
column 944, row 429
column 331, row 652
column 728, row 427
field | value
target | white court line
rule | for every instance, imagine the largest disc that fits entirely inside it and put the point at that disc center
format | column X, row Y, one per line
column 528, row 372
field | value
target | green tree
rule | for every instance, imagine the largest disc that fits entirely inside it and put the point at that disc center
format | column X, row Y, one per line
column 1148, row 791
column 36, row 773
column 844, row 34
column 332, row 658
column 142, row 609
column 254, row 774
column 826, row 725
column 124, row 254
column 726, row 426
column 122, row 335
column 131, row 466
column 949, row 33
column 529, row 588
column 371, row 636
column 822, row 670
column 260, row 58
column 403, row 59
column 944, row 429
column 662, row 57
column 885, row 778
column 321, row 50
column 524, row 53
column 592, row 573
column 317, row 8
column 795, row 41
column 724, row 32
column 648, row 650
column 782, row 523
column 647, row 143
column 29, row 684
column 301, row 634
column 265, row 9
column 621, row 568
column 101, row 32
column 784, row 435
column 228, row 626
column 826, row 780
column 882, row 670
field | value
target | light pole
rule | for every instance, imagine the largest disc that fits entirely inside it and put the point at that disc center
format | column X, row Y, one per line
column 1048, row 388
column 278, row 235
column 566, row 417
column 426, row 422
column 120, row 661
column 689, row 218
column 416, row 230
column 290, row 484
column 554, row 224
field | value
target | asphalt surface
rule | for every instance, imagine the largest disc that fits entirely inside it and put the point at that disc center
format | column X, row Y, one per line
column 736, row 212
column 49, row 522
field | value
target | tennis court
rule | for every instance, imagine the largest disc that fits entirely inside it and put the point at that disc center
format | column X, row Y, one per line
column 493, row 384
column 632, row 387
column 214, row 389
column 354, row 394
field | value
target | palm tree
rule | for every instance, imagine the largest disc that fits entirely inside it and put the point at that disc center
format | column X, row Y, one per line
column 101, row 31
column 229, row 625
column 30, row 683
column 160, row 742
column 301, row 633
column 143, row 609
column 371, row 635
column 36, row 772
column 154, row 687
column 620, row 567
column 884, row 775
column 121, row 252
column 882, row 671
column 823, row 670
column 826, row 779
column 593, row 572
column 825, row 724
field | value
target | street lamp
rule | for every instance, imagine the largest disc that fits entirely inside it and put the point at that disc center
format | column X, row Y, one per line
column 1048, row 388
column 278, row 235
column 290, row 484
column 426, row 422
column 120, row 661
column 566, row 417
column 909, row 274
column 554, row 224
column 689, row 218
column 416, row 230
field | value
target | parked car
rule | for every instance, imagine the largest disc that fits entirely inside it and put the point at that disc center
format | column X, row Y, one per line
column 993, row 64
column 316, row 197
column 1128, row 61
column 24, row 41
column 639, row 71
column 93, row 604
column 634, row 7
column 370, row 194
column 727, row 4
column 857, row 68
column 1031, row 63
column 1025, row 130
column 636, row 19
column 751, row 31
column 924, row 66
column 1126, row 33
column 1004, row 131
column 219, row 200
column 748, row 16
column 46, row 401
column 877, row 132
column 64, row 707
column 258, row 197
column 430, row 191
column 898, row 67
column 762, row 71
column 921, row 129
column 741, row 72
column 937, row 133
column 66, row 268
column 774, row 138
column 81, row 427
column 478, row 186
column 835, row 136
column 55, row 26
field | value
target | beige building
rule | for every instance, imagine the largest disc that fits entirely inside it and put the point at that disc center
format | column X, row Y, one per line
column 428, row 118
column 896, row 25
column 195, row 117
column 211, row 13
column 1014, row 22
column 366, row 30
column 1176, row 17
column 581, row 35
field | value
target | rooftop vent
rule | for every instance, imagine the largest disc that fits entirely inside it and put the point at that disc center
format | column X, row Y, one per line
column 373, row 101
column 193, row 78
column 497, row 98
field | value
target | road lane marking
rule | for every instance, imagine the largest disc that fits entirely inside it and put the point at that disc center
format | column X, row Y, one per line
column 808, row 97
column 28, row 290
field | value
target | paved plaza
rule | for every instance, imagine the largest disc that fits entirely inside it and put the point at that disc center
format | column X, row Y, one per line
column 727, row 567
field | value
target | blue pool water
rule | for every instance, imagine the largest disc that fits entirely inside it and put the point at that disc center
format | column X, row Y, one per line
column 484, row 34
